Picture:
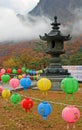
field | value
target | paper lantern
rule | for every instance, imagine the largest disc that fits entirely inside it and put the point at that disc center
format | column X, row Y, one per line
column 6, row 94
column 69, row 85
column 14, row 83
column 71, row 114
column 44, row 109
column 1, row 89
column 26, row 83
column 28, row 76
column 19, row 76
column 0, row 75
column 38, row 71
column 9, row 70
column 27, row 71
column 44, row 84
column 24, row 75
column 15, row 98
column 14, row 71
column 31, row 72
column 34, row 72
column 3, row 71
column 23, row 69
column 5, row 78
column 35, row 77
column 31, row 77
column 19, row 71
column 27, row 104
column 41, row 71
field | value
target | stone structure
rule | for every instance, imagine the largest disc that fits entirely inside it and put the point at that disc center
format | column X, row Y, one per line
column 55, row 47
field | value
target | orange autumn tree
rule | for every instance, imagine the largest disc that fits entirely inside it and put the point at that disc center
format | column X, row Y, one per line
column 28, row 58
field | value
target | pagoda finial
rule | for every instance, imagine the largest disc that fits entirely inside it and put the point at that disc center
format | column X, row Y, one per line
column 55, row 24
column 55, row 19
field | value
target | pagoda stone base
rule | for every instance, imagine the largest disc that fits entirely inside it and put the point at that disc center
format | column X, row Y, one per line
column 54, row 69
column 55, row 73
column 55, row 80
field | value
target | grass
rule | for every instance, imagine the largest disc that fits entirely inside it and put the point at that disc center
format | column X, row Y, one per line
column 15, row 118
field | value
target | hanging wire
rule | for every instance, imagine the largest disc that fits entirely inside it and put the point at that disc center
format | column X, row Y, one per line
column 58, row 103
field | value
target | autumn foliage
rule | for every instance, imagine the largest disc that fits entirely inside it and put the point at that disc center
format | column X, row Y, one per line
column 22, row 54
column 31, row 55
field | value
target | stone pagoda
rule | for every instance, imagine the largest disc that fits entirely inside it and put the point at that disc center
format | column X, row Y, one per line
column 55, row 47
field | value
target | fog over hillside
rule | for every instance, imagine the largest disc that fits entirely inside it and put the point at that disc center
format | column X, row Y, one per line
column 14, row 28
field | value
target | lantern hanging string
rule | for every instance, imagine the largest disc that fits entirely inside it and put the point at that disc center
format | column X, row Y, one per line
column 58, row 103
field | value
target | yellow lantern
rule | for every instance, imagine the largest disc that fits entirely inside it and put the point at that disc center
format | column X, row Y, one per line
column 44, row 85
column 6, row 94
column 19, row 77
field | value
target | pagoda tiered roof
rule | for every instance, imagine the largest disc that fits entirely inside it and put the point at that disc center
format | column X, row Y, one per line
column 55, row 33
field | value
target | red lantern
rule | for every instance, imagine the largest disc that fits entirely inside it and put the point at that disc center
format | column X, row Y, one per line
column 0, row 75
column 9, row 70
column 1, row 89
column 27, row 104
column 19, row 71
column 31, row 77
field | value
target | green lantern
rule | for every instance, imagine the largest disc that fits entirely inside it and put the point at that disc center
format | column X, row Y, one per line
column 5, row 78
column 14, row 71
column 41, row 71
column 35, row 77
column 69, row 85
column 27, row 71
column 15, row 98
column 38, row 71
column 23, row 69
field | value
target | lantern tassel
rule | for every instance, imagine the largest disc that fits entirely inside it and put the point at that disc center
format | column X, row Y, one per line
column 46, row 93
column 43, row 92
column 66, row 96
column 45, row 117
column 72, row 97
column 67, row 126
column 27, row 110
column 74, row 126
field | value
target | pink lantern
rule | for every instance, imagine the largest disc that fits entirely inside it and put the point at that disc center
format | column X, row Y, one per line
column 3, row 71
column 36, row 72
column 71, row 114
column 14, row 83
column 24, row 75
column 1, row 89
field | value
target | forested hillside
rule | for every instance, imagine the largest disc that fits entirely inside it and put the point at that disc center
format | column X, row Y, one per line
column 31, row 54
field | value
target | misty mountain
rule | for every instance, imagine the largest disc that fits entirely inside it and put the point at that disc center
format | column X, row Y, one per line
column 64, row 9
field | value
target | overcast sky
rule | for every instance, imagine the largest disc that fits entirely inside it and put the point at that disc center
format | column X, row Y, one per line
column 19, row 6
column 11, row 28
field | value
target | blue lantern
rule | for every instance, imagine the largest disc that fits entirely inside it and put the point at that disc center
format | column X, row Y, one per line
column 34, row 72
column 44, row 109
column 26, row 83
column 31, row 72
column 28, row 76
